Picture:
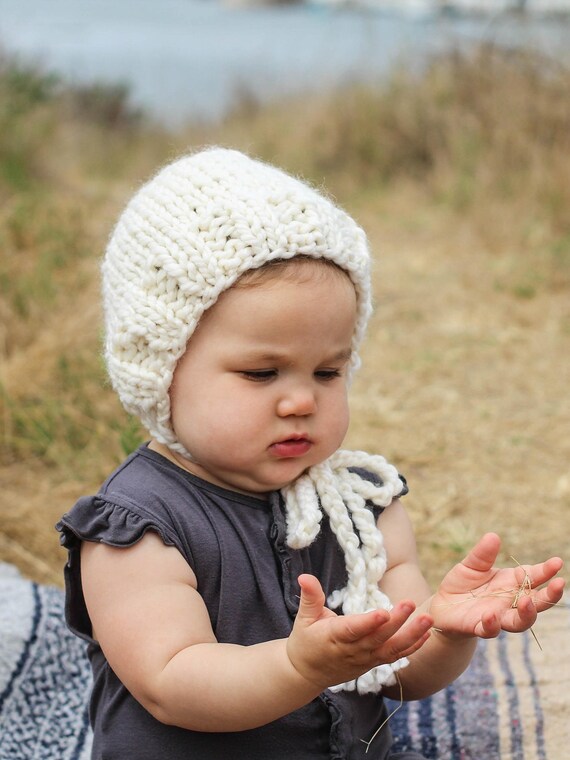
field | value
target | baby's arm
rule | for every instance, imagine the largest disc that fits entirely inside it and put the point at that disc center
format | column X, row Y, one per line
column 155, row 631
column 475, row 599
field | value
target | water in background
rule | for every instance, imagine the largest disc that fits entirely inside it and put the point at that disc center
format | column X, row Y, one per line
column 187, row 60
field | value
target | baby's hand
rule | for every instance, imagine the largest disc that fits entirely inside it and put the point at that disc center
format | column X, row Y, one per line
column 477, row 599
column 327, row 649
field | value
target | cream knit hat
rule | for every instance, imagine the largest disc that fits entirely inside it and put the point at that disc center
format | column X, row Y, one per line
column 188, row 235
column 184, row 238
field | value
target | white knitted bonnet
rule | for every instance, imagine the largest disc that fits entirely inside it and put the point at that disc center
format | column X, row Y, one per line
column 185, row 237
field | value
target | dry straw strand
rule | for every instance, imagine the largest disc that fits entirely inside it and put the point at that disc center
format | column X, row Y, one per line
column 524, row 590
column 387, row 718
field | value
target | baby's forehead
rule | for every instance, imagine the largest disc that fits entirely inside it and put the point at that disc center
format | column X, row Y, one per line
column 280, row 322
column 299, row 268
column 302, row 283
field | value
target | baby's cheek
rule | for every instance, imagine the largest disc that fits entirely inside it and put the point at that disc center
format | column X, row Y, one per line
column 338, row 426
column 343, row 415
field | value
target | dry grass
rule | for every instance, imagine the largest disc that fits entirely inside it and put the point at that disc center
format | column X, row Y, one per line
column 461, row 178
column 465, row 386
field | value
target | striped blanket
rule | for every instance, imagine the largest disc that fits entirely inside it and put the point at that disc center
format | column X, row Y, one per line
column 511, row 704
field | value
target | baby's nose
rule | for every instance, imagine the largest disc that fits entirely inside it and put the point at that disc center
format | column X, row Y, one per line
column 298, row 402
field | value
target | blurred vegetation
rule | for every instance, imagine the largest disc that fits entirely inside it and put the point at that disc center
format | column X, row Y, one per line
column 61, row 148
column 486, row 134
column 482, row 136
column 52, row 138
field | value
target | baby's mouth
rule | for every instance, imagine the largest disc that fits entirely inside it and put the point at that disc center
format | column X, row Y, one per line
column 296, row 446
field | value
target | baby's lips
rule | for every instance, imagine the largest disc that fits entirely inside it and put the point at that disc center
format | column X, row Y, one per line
column 291, row 447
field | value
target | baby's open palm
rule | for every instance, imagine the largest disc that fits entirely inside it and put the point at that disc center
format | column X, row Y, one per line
column 476, row 598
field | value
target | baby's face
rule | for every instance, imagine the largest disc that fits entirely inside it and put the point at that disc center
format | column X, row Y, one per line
column 260, row 394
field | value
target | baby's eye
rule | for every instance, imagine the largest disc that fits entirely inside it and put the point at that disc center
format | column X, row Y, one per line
column 259, row 375
column 327, row 374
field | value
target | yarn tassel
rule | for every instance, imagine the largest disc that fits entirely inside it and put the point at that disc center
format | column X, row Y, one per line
column 333, row 488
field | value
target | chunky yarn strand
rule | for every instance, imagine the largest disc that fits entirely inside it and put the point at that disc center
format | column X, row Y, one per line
column 335, row 488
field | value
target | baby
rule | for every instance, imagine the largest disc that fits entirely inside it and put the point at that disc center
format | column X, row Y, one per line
column 247, row 588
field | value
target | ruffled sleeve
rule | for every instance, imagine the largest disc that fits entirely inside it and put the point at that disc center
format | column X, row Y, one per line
column 94, row 518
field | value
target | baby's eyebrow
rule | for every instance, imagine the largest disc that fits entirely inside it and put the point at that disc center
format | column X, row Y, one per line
column 274, row 357
column 342, row 356
column 266, row 357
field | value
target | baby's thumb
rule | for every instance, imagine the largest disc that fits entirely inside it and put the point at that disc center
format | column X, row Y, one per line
column 312, row 597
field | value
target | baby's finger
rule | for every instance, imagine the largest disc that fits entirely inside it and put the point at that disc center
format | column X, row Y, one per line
column 525, row 614
column 398, row 616
column 312, row 602
column 389, row 644
column 483, row 555
column 407, row 640
column 412, row 648
column 550, row 595
column 489, row 626
column 542, row 572
column 350, row 629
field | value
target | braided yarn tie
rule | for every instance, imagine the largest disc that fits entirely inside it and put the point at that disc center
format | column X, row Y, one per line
column 342, row 494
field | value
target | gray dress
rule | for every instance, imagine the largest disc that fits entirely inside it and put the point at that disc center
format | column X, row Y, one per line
column 247, row 576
